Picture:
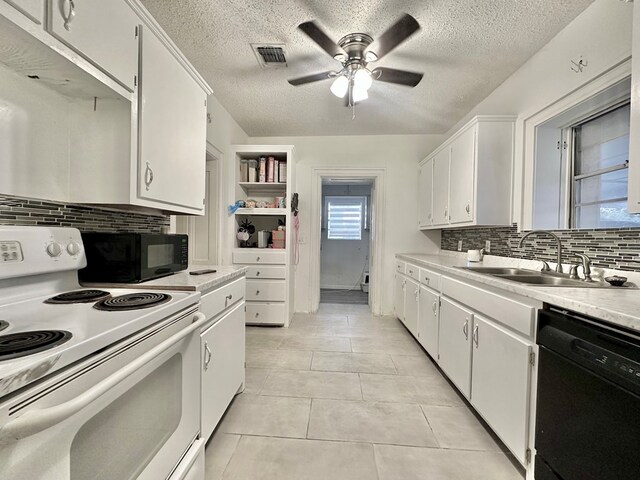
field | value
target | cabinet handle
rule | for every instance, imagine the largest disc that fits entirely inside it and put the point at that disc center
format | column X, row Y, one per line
column 257, row 292
column 416, row 293
column 257, row 314
column 434, row 307
column 445, row 213
column 257, row 259
column 148, row 176
column 257, row 274
column 207, row 356
column 475, row 335
column 427, row 280
column 468, row 207
column 68, row 17
column 465, row 328
column 227, row 299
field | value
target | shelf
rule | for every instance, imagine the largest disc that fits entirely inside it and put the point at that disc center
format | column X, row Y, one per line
column 262, row 211
column 263, row 186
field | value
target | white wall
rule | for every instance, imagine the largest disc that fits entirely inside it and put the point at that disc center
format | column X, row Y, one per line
column 222, row 133
column 399, row 155
column 343, row 261
column 601, row 35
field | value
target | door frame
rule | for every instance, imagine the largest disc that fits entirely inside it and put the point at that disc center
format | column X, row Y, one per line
column 377, row 176
column 186, row 223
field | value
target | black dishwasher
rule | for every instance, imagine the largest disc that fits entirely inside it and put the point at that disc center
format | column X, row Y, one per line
column 588, row 408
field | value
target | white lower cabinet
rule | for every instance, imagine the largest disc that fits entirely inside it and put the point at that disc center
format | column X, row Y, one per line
column 500, row 379
column 428, row 320
column 411, row 298
column 398, row 296
column 223, row 352
column 454, row 349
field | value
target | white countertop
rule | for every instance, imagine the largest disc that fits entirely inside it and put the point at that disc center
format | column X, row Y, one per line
column 619, row 306
column 183, row 281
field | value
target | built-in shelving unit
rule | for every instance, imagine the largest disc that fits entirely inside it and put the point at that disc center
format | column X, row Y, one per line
column 270, row 272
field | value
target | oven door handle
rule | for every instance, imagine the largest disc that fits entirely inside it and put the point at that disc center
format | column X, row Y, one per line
column 36, row 421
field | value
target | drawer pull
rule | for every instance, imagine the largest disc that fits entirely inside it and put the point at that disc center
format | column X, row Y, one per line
column 427, row 280
column 257, row 314
column 257, row 292
column 257, row 259
column 257, row 274
column 207, row 356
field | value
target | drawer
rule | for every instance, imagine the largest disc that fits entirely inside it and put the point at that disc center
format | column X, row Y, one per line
column 266, row 290
column 412, row 271
column 430, row 279
column 400, row 266
column 266, row 272
column 262, row 257
column 213, row 303
column 518, row 314
column 259, row 313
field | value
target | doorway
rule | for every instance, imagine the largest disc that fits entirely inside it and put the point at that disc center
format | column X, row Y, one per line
column 345, row 242
column 204, row 231
column 373, row 179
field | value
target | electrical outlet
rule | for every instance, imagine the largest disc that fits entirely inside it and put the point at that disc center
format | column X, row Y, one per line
column 487, row 246
column 459, row 245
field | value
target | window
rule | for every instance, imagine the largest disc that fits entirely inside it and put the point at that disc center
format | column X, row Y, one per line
column 345, row 217
column 600, row 174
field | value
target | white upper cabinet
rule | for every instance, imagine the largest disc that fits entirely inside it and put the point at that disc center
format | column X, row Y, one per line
column 172, row 129
column 472, row 175
column 461, row 177
column 103, row 32
column 32, row 9
column 633, row 203
column 425, row 194
column 440, row 187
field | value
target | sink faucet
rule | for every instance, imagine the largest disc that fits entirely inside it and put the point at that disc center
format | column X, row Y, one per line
column 538, row 232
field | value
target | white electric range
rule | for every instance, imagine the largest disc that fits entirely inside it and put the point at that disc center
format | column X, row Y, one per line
column 93, row 383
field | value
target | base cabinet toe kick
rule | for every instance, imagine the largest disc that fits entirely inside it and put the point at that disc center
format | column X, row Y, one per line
column 483, row 340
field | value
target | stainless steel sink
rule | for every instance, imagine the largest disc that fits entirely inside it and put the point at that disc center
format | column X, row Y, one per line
column 501, row 270
column 552, row 281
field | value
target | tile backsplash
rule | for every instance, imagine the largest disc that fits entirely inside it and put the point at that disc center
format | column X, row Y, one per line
column 616, row 248
column 27, row 211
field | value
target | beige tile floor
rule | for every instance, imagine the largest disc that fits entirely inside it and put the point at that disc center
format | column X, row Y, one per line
column 344, row 395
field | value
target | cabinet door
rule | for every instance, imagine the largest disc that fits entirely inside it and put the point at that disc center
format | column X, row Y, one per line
column 425, row 194
column 454, row 347
column 441, row 187
column 32, row 9
column 172, row 116
column 103, row 32
column 462, row 177
column 500, row 383
column 411, row 296
column 428, row 319
column 398, row 296
column 222, row 366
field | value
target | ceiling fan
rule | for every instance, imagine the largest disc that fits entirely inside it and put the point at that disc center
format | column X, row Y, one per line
column 355, row 52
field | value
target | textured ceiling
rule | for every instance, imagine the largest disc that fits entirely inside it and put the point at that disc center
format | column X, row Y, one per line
column 465, row 49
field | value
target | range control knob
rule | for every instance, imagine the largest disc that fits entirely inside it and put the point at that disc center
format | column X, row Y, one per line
column 73, row 248
column 54, row 249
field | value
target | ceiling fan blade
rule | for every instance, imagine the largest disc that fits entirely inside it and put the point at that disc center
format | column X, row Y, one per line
column 400, row 77
column 316, row 77
column 316, row 34
column 394, row 36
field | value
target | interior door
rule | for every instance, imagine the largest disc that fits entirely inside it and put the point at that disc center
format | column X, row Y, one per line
column 425, row 194
column 454, row 348
column 441, row 187
column 172, row 126
column 222, row 366
column 500, row 383
column 461, row 191
column 428, row 321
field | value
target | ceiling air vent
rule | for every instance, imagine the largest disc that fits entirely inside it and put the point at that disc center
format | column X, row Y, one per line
column 270, row 55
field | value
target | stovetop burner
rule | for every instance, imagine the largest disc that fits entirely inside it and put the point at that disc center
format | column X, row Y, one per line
column 3, row 325
column 27, row 343
column 132, row 301
column 79, row 296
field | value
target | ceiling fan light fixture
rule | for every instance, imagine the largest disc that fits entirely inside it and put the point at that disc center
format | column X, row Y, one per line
column 340, row 86
column 359, row 94
column 362, row 79
column 341, row 57
column 370, row 57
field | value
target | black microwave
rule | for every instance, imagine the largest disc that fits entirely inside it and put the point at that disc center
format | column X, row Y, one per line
column 132, row 257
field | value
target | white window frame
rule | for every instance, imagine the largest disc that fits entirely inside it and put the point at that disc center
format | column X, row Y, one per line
column 347, row 199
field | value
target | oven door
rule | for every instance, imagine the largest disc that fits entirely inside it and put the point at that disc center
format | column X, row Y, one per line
column 130, row 413
column 162, row 254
